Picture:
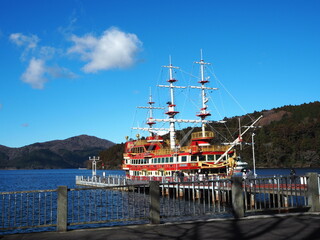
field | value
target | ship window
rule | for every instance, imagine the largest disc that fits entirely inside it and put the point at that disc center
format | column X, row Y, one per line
column 202, row 158
column 183, row 158
column 167, row 160
column 193, row 158
column 162, row 160
column 217, row 157
column 210, row 157
column 137, row 150
column 171, row 159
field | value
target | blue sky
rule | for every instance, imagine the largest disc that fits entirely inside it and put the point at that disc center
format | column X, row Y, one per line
column 81, row 67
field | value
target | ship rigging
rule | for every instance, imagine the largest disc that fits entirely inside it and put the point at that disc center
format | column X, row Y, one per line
column 155, row 156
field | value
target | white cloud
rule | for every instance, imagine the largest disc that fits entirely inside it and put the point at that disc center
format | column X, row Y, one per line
column 35, row 73
column 39, row 58
column 114, row 49
column 28, row 42
column 23, row 40
column 47, row 52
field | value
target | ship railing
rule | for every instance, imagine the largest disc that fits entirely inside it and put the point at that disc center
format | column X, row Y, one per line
column 162, row 151
column 213, row 148
column 206, row 134
column 187, row 149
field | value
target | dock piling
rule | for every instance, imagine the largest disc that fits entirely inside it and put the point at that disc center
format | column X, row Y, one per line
column 62, row 211
column 313, row 192
column 154, row 191
column 237, row 197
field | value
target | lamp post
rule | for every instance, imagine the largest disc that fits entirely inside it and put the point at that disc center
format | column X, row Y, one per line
column 253, row 156
column 94, row 165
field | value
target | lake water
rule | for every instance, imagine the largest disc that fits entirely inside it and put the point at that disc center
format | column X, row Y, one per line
column 23, row 180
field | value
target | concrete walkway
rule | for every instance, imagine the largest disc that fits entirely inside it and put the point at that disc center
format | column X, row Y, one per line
column 288, row 226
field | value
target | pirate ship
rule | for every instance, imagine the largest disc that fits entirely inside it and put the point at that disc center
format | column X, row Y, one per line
column 159, row 156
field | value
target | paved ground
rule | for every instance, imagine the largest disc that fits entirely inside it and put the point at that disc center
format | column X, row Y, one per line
column 293, row 226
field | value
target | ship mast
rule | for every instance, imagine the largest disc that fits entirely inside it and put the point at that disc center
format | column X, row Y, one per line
column 150, row 120
column 203, row 111
column 171, row 105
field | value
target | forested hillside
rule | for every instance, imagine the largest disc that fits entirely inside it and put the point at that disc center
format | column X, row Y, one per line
column 112, row 157
column 288, row 136
column 292, row 139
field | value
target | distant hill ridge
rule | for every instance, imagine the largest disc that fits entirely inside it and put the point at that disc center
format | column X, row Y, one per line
column 69, row 153
column 289, row 137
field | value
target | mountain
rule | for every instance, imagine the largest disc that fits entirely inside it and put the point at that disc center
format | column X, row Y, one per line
column 288, row 136
column 69, row 153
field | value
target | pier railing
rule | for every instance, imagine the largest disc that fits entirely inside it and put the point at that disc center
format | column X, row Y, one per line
column 28, row 209
column 154, row 202
column 276, row 193
column 101, row 181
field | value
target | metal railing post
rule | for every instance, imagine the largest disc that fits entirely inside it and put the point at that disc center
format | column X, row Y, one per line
column 154, row 191
column 237, row 197
column 62, row 211
column 313, row 192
